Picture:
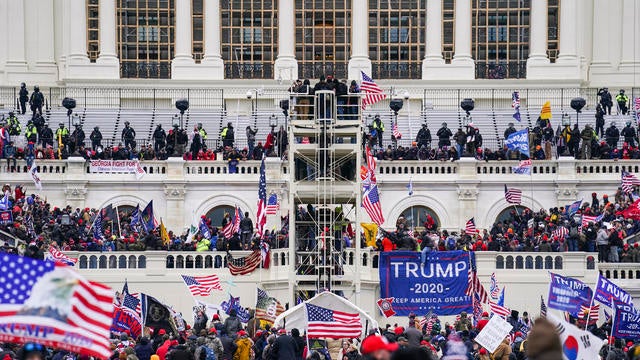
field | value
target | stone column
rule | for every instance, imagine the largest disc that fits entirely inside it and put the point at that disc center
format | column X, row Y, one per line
column 183, row 66
column 433, row 36
column 212, row 59
column 286, row 66
column 15, row 40
column 630, row 55
column 462, row 60
column 568, row 32
column 359, row 40
column 78, row 32
column 108, row 58
column 538, row 19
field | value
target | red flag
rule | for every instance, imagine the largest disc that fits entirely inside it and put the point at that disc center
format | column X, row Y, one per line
column 386, row 306
column 632, row 212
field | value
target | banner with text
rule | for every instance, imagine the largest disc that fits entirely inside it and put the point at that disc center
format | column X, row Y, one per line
column 568, row 294
column 124, row 320
column 626, row 323
column 607, row 290
column 439, row 285
column 6, row 217
column 117, row 167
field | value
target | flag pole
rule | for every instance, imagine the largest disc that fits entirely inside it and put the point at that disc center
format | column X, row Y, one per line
column 118, row 217
column 613, row 320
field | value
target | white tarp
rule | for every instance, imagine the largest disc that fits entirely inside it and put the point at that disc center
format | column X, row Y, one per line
column 296, row 317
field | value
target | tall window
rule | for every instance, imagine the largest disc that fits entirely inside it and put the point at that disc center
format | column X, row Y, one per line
column 554, row 29
column 145, row 38
column 93, row 31
column 500, row 33
column 323, row 37
column 197, row 44
column 396, row 38
column 448, row 20
column 249, row 38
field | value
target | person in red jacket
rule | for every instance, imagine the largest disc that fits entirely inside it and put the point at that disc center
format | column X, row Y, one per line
column 387, row 245
column 483, row 321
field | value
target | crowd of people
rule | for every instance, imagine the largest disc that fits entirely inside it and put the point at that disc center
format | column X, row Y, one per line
column 419, row 339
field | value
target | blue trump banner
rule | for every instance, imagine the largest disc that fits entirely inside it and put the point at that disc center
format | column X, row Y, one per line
column 124, row 320
column 439, row 285
column 519, row 140
column 606, row 290
column 568, row 294
column 626, row 321
column 6, row 217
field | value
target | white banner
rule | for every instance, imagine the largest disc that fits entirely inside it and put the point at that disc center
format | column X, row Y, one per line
column 117, row 167
column 493, row 333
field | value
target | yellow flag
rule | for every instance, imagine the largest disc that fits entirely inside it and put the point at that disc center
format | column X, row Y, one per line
column 545, row 114
column 164, row 236
column 370, row 233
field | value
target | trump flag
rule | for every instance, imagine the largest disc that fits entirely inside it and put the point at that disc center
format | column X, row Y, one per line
column 51, row 304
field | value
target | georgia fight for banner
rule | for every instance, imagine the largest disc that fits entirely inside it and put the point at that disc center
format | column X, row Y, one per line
column 439, row 285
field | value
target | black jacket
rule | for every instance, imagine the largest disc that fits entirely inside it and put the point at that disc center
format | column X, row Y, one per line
column 285, row 348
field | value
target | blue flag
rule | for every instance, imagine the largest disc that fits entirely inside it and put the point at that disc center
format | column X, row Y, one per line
column 519, row 141
column 136, row 218
column 98, row 231
column 606, row 291
column 501, row 298
column 573, row 208
column 204, row 229
column 568, row 294
column 148, row 220
column 234, row 303
column 5, row 204
column 626, row 321
column 410, row 187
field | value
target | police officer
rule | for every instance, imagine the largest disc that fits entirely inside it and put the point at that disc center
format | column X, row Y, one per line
column 159, row 139
column 39, row 123
column 62, row 135
column 444, row 136
column 509, row 130
column 14, row 124
column 227, row 135
column 612, row 136
column 599, row 120
column 31, row 132
column 36, row 101
column 128, row 136
column 78, row 137
column 424, row 136
column 24, row 98
column 46, row 136
column 96, row 138
column 605, row 99
column 622, row 101
column 629, row 134
column 378, row 126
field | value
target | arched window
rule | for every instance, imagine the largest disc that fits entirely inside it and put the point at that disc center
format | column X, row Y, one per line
column 506, row 214
column 217, row 214
column 417, row 215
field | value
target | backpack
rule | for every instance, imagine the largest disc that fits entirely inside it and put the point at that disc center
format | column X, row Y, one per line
column 451, row 243
column 206, row 353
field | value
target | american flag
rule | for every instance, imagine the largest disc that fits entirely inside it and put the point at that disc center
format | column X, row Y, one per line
column 136, row 217
column 586, row 219
column 543, row 308
column 430, row 323
column 334, row 324
column 202, row 285
column 560, row 232
column 512, row 195
column 499, row 310
column 637, row 107
column 474, row 286
column 58, row 257
column 470, row 227
column 494, row 289
column 273, row 205
column 371, row 204
column 77, row 309
column 394, row 129
column 245, row 264
column 267, row 307
column 515, row 104
column 477, row 308
column 628, row 182
column 227, row 229
column 125, row 290
column 237, row 217
column 372, row 92
column 132, row 303
column 261, row 215
column 593, row 312
column 370, row 176
column 425, row 320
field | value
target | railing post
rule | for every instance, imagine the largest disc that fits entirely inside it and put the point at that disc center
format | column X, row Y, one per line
column 154, row 98
column 119, row 98
column 85, row 98
column 562, row 99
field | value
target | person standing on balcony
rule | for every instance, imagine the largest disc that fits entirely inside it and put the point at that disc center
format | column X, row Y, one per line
column 599, row 120
column 246, row 230
column 128, row 136
column 31, row 133
column 282, row 140
column 96, row 138
column 227, row 135
column 444, row 136
column 46, row 136
column 424, row 137
column 378, row 126
column 461, row 140
column 509, row 130
column 587, row 137
column 622, row 101
column 196, row 142
column 605, row 99
column 629, row 134
column 159, row 139
column 77, row 139
column 251, row 139
column 23, row 98
column 36, row 101
column 612, row 135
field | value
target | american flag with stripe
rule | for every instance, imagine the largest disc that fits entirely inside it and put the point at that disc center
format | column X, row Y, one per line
column 592, row 312
column 371, row 204
column 477, row 308
column 586, row 219
column 394, row 130
column 494, row 289
column 59, row 257
column 512, row 195
column 423, row 322
column 637, row 108
column 244, row 265
column 543, row 308
column 628, row 182
column 333, row 324
column 372, row 92
column 261, row 215
column 499, row 310
column 50, row 304
column 273, row 204
column 470, row 227
column 560, row 232
column 237, row 217
column 267, row 307
column 202, row 285
column 474, row 286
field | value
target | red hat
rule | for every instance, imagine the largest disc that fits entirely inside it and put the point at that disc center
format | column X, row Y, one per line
column 216, row 317
column 485, row 314
column 483, row 351
column 161, row 332
column 242, row 333
column 282, row 331
column 399, row 330
column 374, row 343
column 213, row 331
